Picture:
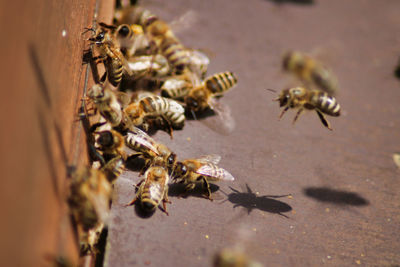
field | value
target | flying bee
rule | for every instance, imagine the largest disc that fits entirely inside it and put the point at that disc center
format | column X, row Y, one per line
column 201, row 97
column 301, row 98
column 310, row 71
column 151, row 150
column 89, row 202
column 153, row 189
column 110, row 54
column 203, row 170
column 110, row 105
column 156, row 107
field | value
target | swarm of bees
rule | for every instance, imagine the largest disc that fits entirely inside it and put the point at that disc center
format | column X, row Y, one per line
column 152, row 81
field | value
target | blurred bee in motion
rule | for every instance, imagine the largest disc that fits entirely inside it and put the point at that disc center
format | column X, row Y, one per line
column 233, row 257
column 153, row 189
column 153, row 108
column 203, row 170
column 110, row 105
column 151, row 150
column 109, row 53
column 113, row 168
column 202, row 97
column 131, row 38
column 310, row 71
column 301, row 98
column 89, row 202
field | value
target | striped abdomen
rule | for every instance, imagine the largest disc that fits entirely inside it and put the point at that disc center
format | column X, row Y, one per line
column 114, row 168
column 114, row 70
column 325, row 103
column 220, row 82
column 154, row 187
column 143, row 145
column 161, row 106
column 175, row 53
column 175, row 88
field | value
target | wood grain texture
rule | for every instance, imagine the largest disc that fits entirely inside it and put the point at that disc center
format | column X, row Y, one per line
column 43, row 80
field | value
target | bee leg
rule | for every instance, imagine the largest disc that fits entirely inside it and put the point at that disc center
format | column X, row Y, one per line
column 323, row 120
column 165, row 200
column 131, row 203
column 297, row 115
column 283, row 112
column 207, row 186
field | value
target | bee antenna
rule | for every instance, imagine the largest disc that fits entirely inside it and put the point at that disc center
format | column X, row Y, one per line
column 272, row 90
column 88, row 30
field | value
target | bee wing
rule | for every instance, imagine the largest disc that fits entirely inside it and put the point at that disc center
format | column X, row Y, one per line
column 223, row 122
column 123, row 98
column 215, row 172
column 213, row 158
column 184, row 21
column 143, row 139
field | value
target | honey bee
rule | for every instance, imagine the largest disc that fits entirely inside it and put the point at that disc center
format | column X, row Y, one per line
column 233, row 257
column 155, row 65
column 89, row 201
column 151, row 150
column 178, row 86
column 110, row 105
column 153, row 189
column 131, row 38
column 310, row 71
column 156, row 107
column 201, row 97
column 111, row 143
column 198, row 62
column 113, row 168
column 203, row 169
column 301, row 98
column 110, row 54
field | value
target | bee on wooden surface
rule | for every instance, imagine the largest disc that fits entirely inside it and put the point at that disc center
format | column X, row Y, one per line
column 89, row 201
column 203, row 170
column 153, row 189
column 110, row 54
column 203, row 96
column 110, row 105
column 156, row 107
column 151, row 150
column 301, row 98
column 310, row 71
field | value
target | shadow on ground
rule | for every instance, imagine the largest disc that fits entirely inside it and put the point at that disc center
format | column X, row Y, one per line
column 337, row 197
column 250, row 201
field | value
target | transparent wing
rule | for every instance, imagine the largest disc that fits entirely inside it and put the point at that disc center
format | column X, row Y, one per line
column 215, row 172
column 223, row 121
column 142, row 138
column 213, row 158
column 183, row 22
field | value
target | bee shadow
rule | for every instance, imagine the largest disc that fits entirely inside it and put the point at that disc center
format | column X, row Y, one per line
column 250, row 201
column 178, row 190
column 135, row 163
column 337, row 197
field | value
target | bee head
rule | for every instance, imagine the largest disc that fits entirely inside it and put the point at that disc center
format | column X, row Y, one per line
column 148, row 206
column 123, row 30
column 96, row 92
column 192, row 103
column 283, row 98
column 105, row 139
column 171, row 159
column 180, row 170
